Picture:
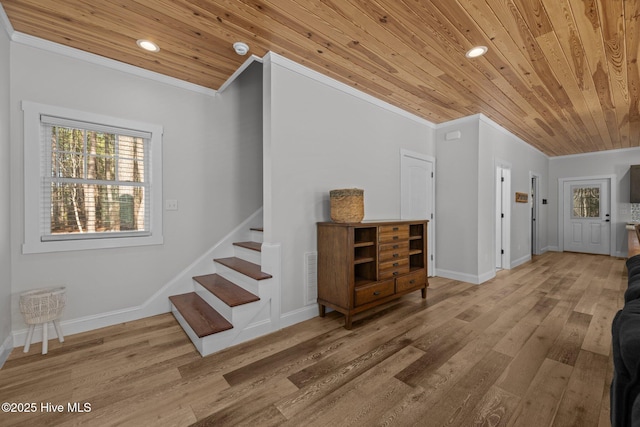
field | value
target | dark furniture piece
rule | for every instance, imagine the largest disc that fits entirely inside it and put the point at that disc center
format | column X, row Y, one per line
column 634, row 184
column 625, row 332
column 362, row 265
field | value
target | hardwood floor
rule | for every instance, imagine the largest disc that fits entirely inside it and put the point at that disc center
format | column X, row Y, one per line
column 531, row 347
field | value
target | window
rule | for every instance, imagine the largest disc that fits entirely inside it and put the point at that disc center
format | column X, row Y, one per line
column 586, row 202
column 91, row 181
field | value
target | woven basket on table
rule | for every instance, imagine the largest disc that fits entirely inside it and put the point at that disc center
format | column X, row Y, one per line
column 42, row 305
column 347, row 205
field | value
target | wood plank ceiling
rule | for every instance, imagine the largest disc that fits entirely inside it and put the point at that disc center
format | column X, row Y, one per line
column 561, row 74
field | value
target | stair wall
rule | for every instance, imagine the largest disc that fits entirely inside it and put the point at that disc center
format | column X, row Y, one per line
column 158, row 303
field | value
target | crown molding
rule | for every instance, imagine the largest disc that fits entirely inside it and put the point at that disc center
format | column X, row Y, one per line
column 499, row 128
column 634, row 150
column 92, row 58
column 343, row 87
column 486, row 120
column 5, row 23
column 244, row 66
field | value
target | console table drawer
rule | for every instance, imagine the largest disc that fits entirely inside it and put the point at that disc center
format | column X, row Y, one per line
column 411, row 281
column 391, row 269
column 393, row 233
column 393, row 251
column 374, row 291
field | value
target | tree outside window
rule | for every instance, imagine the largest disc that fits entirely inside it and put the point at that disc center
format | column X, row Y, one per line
column 586, row 202
column 97, row 181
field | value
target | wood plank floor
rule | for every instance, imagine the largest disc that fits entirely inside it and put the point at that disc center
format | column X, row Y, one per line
column 528, row 348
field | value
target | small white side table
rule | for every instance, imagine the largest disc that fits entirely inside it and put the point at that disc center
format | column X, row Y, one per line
column 39, row 307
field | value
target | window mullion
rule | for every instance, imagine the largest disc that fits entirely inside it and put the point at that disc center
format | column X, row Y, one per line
column 116, row 156
column 85, row 156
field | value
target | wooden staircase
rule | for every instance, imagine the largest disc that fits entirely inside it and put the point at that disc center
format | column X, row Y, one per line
column 225, row 304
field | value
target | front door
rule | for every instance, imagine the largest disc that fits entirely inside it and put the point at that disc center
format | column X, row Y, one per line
column 587, row 221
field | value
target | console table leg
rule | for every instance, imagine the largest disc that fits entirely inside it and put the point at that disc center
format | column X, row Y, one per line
column 424, row 293
column 347, row 321
column 321, row 310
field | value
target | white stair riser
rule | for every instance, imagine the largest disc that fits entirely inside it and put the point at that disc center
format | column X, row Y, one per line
column 246, row 282
column 248, row 254
column 260, row 325
column 213, row 301
column 257, row 236
column 203, row 345
column 234, row 315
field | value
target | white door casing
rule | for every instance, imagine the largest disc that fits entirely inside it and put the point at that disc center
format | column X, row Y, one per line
column 417, row 195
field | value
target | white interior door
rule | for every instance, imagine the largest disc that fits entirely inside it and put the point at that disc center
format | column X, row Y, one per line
column 587, row 220
column 534, row 215
column 417, row 184
column 503, row 212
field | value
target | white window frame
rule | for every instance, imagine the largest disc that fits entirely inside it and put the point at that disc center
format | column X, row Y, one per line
column 33, row 242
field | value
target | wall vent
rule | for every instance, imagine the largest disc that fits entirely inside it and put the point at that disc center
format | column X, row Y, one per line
column 311, row 277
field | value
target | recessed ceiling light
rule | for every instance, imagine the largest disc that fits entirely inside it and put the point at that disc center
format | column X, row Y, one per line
column 476, row 51
column 148, row 45
column 241, row 48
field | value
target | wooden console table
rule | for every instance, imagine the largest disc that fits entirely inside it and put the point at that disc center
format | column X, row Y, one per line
column 633, row 241
column 362, row 265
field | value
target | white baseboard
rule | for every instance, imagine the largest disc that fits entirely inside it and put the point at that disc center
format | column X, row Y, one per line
column 299, row 315
column 464, row 277
column 5, row 349
column 520, row 261
column 488, row 275
column 553, row 248
column 87, row 323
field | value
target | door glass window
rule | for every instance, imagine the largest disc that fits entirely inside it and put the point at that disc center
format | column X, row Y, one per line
column 586, row 202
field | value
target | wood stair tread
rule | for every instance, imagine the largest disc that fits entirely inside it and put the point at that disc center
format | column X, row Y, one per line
column 254, row 246
column 228, row 292
column 202, row 318
column 245, row 267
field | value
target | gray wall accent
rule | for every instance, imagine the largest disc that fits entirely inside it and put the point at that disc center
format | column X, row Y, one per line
column 457, row 195
column 212, row 166
column 466, row 199
column 523, row 159
column 320, row 138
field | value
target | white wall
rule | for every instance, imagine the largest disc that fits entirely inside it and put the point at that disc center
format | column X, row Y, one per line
column 615, row 162
column 457, row 189
column 524, row 160
column 212, row 166
column 5, row 198
column 322, row 136
column 466, row 199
